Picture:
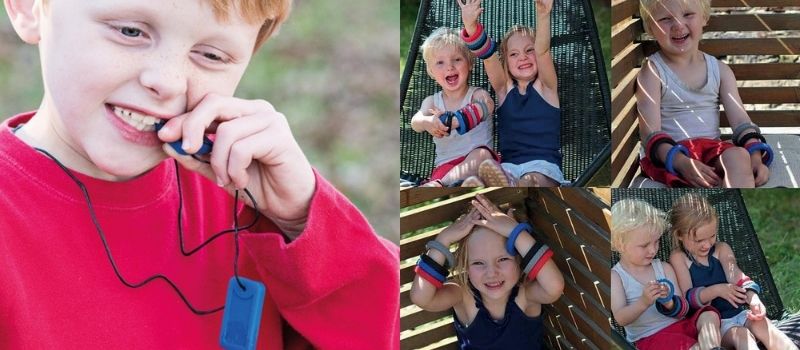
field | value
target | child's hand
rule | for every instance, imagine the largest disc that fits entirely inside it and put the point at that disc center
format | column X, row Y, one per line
column 459, row 229
column 435, row 127
column 730, row 292
column 695, row 172
column 254, row 149
column 543, row 6
column 757, row 310
column 760, row 171
column 492, row 218
column 470, row 11
column 652, row 291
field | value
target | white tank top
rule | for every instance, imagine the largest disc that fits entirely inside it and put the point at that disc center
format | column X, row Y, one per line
column 650, row 321
column 454, row 145
column 686, row 112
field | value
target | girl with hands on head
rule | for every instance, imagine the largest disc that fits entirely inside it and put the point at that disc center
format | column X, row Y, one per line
column 708, row 272
column 500, row 273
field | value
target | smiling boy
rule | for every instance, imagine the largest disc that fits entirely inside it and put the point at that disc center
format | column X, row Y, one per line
column 88, row 164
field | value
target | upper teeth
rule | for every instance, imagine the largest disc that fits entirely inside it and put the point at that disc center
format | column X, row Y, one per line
column 141, row 122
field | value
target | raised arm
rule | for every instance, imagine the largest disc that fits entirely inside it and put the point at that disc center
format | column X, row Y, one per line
column 544, row 56
column 544, row 282
column 470, row 11
column 426, row 294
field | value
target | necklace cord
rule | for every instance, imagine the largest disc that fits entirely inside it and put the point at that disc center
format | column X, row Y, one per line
column 234, row 230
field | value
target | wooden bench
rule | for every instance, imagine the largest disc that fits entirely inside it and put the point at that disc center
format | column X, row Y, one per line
column 765, row 82
column 574, row 222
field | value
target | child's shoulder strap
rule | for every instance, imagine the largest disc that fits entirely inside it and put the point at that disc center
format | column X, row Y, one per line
column 712, row 67
column 438, row 101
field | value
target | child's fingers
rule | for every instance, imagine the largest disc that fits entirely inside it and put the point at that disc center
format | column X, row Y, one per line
column 213, row 108
column 228, row 134
column 487, row 203
column 481, row 209
column 480, row 222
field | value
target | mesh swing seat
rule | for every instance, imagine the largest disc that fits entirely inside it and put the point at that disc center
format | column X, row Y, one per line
column 735, row 229
column 582, row 86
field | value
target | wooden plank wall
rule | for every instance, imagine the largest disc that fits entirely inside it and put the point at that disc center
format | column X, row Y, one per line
column 629, row 47
column 573, row 221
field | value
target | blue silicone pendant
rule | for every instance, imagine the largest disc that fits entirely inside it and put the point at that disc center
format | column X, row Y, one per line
column 178, row 145
column 242, row 315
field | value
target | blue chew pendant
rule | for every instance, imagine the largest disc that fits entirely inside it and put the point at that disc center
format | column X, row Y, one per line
column 242, row 315
column 205, row 148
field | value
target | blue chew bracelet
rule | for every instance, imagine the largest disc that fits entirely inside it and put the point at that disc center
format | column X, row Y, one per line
column 669, row 284
column 671, row 156
column 462, row 123
column 768, row 155
column 431, row 271
column 512, row 237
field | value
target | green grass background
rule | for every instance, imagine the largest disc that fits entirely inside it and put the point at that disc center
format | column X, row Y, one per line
column 776, row 218
column 331, row 71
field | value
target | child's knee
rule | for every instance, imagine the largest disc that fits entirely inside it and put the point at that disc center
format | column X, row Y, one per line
column 481, row 153
column 741, row 334
column 708, row 317
column 528, row 180
column 736, row 154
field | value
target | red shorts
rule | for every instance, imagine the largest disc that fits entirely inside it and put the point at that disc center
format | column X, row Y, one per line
column 704, row 150
column 680, row 335
column 440, row 171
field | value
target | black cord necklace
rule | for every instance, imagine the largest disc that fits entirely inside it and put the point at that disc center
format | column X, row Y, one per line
column 234, row 230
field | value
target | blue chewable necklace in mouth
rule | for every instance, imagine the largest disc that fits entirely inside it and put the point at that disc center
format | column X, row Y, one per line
column 177, row 145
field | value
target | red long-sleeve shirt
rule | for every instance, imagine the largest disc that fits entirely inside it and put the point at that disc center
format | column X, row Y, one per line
column 334, row 287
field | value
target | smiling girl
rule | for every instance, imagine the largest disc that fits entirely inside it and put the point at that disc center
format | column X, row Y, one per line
column 495, row 305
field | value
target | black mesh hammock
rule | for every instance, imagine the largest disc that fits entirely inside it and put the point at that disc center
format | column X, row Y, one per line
column 735, row 229
column 582, row 83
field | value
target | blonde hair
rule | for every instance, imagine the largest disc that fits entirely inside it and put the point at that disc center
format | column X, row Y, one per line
column 629, row 215
column 445, row 37
column 516, row 29
column 270, row 13
column 646, row 8
column 688, row 213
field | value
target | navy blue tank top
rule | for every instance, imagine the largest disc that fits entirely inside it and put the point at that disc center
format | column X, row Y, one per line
column 528, row 128
column 515, row 331
column 704, row 276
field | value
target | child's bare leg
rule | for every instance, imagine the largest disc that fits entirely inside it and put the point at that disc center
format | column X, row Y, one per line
column 468, row 167
column 534, row 179
column 734, row 162
column 739, row 338
column 708, row 336
column 769, row 335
